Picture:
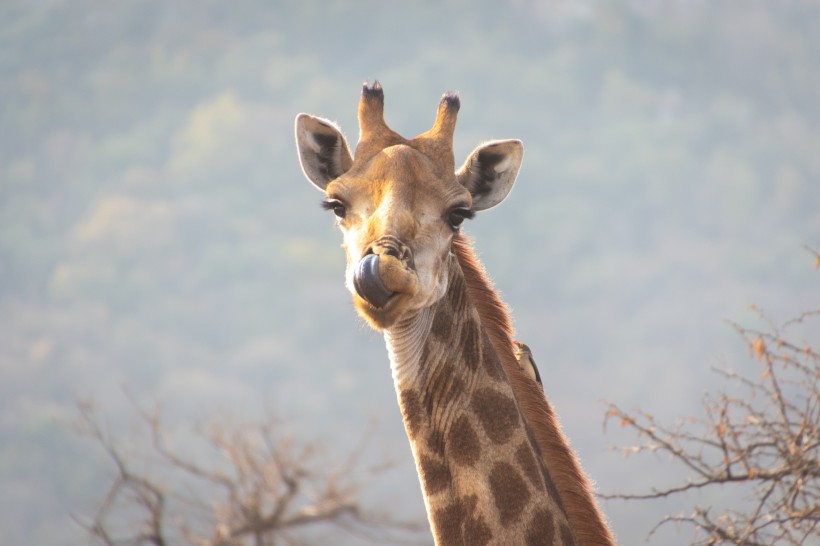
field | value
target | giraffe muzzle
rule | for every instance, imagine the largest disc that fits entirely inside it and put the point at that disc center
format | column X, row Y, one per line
column 386, row 270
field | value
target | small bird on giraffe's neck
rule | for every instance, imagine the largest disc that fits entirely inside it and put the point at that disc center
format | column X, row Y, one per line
column 524, row 356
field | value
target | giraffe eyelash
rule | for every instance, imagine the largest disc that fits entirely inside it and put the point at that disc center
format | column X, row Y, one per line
column 338, row 208
column 457, row 216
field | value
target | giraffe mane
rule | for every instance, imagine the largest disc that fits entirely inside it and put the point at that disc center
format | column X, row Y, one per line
column 573, row 486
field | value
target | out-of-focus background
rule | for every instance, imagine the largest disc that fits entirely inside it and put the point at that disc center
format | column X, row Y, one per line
column 159, row 242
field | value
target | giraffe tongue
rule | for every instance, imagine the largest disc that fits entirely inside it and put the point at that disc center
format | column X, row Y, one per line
column 368, row 283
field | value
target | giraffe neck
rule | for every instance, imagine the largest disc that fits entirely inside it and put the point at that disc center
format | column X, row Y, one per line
column 481, row 473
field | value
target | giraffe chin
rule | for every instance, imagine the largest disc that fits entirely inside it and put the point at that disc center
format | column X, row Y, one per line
column 382, row 318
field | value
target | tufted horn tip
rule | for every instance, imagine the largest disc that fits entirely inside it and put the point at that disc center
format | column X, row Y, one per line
column 371, row 110
column 445, row 123
column 450, row 101
column 374, row 91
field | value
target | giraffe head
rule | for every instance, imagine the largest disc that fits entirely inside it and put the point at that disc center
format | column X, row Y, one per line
column 399, row 202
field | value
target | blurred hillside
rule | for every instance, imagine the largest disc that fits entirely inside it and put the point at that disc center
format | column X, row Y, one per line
column 157, row 234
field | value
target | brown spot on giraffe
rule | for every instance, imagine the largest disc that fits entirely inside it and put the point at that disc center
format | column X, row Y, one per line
column 526, row 460
column 541, row 530
column 443, row 324
column 492, row 365
column 447, row 523
column 509, row 491
column 463, row 443
column 411, row 409
column 470, row 340
column 497, row 414
column 435, row 474
column 476, row 531
column 435, row 442
column 459, row 523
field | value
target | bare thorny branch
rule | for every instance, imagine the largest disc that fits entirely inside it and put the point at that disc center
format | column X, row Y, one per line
column 767, row 442
column 259, row 487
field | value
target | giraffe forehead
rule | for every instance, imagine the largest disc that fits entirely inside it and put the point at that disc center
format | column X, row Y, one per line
column 401, row 176
column 403, row 158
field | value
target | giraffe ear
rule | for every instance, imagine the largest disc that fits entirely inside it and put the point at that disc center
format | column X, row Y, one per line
column 323, row 150
column 490, row 171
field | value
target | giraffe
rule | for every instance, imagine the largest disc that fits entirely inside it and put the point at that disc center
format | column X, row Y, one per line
column 493, row 463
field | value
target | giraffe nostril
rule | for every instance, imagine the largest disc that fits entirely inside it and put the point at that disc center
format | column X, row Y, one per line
column 393, row 247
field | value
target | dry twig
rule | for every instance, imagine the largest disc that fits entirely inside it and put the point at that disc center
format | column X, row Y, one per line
column 766, row 442
column 254, row 486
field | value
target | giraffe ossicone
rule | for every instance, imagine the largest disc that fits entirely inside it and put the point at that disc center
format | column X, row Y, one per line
column 493, row 464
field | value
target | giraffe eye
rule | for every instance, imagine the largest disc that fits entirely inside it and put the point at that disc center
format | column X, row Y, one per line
column 457, row 216
column 338, row 208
